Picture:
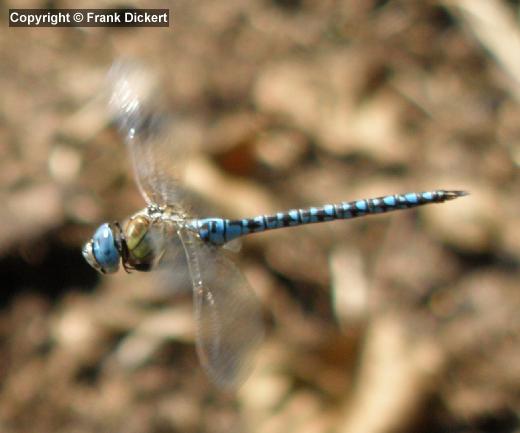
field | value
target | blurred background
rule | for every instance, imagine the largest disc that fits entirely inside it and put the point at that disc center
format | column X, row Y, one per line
column 406, row 322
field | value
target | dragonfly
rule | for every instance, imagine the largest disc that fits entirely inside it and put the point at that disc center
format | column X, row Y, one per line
column 227, row 314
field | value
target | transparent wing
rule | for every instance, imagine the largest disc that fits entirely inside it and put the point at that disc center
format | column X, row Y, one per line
column 151, row 135
column 227, row 313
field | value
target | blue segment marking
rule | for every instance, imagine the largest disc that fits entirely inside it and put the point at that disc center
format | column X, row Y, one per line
column 361, row 205
column 245, row 226
column 376, row 205
column 293, row 214
column 305, row 215
column 314, row 214
column 401, row 201
column 389, row 200
column 427, row 196
column 346, row 210
column 271, row 222
column 329, row 212
column 216, row 231
column 204, row 232
column 259, row 224
column 411, row 198
column 233, row 230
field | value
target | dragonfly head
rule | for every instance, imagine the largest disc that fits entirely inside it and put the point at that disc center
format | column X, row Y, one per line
column 103, row 252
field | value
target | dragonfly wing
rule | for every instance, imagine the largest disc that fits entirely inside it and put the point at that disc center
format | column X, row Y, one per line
column 150, row 133
column 227, row 313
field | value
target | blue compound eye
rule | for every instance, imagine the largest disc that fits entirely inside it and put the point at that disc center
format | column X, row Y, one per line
column 105, row 250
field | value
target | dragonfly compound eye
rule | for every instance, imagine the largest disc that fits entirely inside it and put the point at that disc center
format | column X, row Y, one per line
column 101, row 252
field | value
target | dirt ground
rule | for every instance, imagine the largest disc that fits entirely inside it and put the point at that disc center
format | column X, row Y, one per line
column 405, row 322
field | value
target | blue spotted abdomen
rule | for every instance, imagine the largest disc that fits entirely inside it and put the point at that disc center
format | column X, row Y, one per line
column 218, row 231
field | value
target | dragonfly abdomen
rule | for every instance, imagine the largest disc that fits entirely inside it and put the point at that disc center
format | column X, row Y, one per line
column 218, row 231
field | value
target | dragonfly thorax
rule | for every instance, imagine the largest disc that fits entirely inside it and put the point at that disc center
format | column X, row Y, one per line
column 144, row 238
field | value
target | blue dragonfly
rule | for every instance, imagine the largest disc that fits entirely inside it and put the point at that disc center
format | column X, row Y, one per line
column 228, row 321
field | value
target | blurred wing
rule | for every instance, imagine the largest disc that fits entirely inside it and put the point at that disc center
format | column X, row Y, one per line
column 149, row 133
column 170, row 273
column 227, row 313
